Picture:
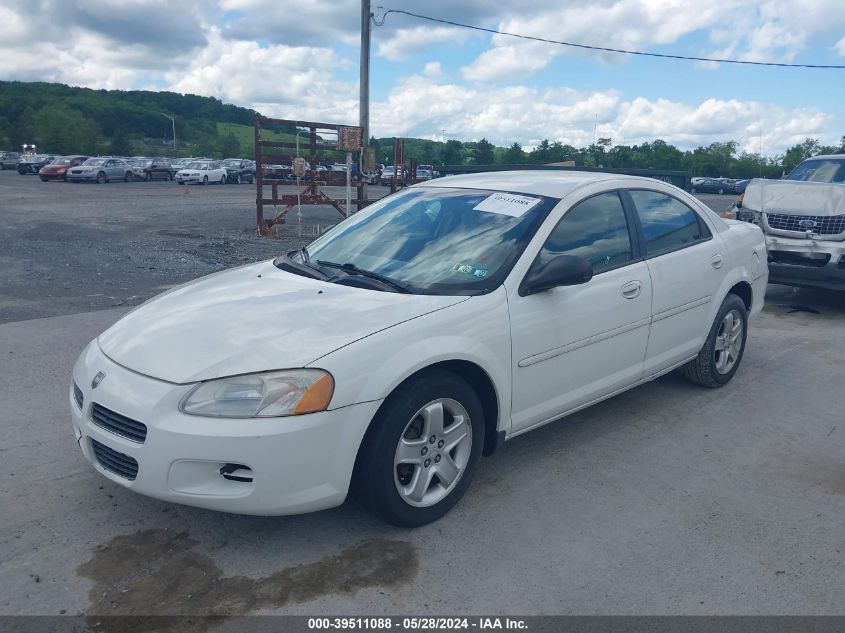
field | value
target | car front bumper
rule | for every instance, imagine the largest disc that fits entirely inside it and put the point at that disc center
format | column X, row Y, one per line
column 806, row 262
column 294, row 464
column 88, row 175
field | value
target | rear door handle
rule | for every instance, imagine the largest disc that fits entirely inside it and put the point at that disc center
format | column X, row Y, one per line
column 632, row 289
column 716, row 260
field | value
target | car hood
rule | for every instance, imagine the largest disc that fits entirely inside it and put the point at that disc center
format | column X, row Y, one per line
column 794, row 197
column 250, row 319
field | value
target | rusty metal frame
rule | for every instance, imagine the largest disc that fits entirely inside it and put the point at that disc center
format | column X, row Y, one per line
column 312, row 193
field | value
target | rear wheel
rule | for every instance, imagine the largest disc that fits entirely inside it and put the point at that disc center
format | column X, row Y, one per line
column 148, row 176
column 719, row 359
column 43, row 179
column 420, row 454
column 127, row 177
column 238, row 179
column 101, row 178
column 721, row 191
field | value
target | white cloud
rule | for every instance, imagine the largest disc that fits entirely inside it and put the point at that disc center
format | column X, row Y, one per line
column 433, row 70
column 752, row 30
column 423, row 107
column 407, row 42
column 294, row 82
column 840, row 46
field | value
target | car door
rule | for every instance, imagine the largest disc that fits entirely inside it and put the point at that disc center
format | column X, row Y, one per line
column 572, row 345
column 684, row 259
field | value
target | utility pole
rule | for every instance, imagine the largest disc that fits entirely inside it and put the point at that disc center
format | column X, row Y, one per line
column 364, row 100
column 173, row 121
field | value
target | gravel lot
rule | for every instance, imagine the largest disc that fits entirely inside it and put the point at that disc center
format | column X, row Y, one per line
column 668, row 499
column 67, row 248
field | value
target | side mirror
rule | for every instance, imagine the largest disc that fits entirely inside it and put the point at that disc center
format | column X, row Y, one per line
column 563, row 270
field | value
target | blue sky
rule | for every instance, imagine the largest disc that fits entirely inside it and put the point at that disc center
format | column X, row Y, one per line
column 300, row 60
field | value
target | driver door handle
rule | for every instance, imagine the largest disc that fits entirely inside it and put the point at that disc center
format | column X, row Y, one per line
column 632, row 289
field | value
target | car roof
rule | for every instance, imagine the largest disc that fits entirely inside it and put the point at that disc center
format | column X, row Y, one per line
column 554, row 183
column 826, row 157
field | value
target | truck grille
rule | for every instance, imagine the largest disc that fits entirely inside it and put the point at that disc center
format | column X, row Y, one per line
column 117, row 463
column 118, row 424
column 824, row 224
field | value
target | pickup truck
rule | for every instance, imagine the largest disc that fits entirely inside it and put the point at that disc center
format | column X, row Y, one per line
column 803, row 219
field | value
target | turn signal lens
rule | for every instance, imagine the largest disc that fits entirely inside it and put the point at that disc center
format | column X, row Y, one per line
column 317, row 397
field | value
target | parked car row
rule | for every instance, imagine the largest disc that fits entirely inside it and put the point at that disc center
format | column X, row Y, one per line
column 718, row 185
column 103, row 169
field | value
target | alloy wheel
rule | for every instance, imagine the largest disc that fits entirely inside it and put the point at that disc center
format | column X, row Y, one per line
column 728, row 342
column 433, row 452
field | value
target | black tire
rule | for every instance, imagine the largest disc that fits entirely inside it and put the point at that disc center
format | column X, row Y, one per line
column 238, row 180
column 169, row 176
column 127, row 177
column 222, row 180
column 148, row 176
column 721, row 191
column 43, row 179
column 373, row 481
column 205, row 180
column 101, row 178
column 702, row 370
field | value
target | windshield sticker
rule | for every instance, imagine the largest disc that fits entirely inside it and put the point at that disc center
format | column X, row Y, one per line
column 507, row 204
column 481, row 273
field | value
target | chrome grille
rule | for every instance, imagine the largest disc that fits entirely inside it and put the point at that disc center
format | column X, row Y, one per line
column 77, row 395
column 118, row 463
column 118, row 424
column 824, row 224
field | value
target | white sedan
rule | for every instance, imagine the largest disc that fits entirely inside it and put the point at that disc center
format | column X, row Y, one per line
column 201, row 172
column 416, row 336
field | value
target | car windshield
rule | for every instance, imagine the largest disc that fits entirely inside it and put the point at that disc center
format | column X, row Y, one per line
column 197, row 165
column 436, row 240
column 143, row 163
column 231, row 162
column 94, row 162
column 62, row 161
column 824, row 170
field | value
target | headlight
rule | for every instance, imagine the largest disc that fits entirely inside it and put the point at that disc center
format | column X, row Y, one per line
column 266, row 395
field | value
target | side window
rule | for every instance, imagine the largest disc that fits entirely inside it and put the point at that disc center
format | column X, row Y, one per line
column 595, row 229
column 668, row 224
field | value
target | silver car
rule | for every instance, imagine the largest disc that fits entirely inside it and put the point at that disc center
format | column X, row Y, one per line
column 101, row 170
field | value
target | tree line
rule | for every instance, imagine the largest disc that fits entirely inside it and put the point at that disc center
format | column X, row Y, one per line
column 63, row 120
column 715, row 159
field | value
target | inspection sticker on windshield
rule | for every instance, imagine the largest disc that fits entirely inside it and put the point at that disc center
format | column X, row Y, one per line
column 507, row 204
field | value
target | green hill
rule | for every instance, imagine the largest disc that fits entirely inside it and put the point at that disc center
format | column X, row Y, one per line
column 64, row 119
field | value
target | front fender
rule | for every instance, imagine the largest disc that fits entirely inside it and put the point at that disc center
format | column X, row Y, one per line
column 476, row 331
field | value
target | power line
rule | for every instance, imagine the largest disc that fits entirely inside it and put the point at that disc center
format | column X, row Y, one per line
column 388, row 11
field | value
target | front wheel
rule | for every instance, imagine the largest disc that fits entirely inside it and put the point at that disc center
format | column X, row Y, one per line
column 205, row 180
column 721, row 191
column 223, row 180
column 43, row 179
column 101, row 178
column 420, row 454
column 719, row 359
column 127, row 177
